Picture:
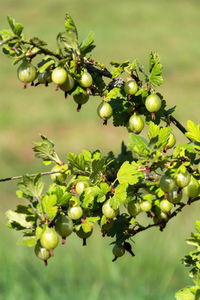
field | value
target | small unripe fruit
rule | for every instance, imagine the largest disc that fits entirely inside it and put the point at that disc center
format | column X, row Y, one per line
column 59, row 177
column 167, row 183
column 26, row 72
column 171, row 141
column 133, row 208
column 182, row 179
column 75, row 212
column 165, row 206
column 42, row 253
column 104, row 110
column 81, row 186
column 136, row 123
column 81, row 98
column 108, row 211
column 118, row 250
column 44, row 77
column 69, row 84
column 145, row 206
column 130, row 87
column 82, row 234
column 86, row 80
column 153, row 103
column 160, row 217
column 64, row 226
column 59, row 75
column 174, row 196
column 49, row 239
column 192, row 190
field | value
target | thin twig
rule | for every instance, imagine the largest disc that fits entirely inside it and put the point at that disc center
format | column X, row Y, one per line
column 43, row 49
column 29, row 175
column 162, row 224
column 8, row 40
column 177, row 124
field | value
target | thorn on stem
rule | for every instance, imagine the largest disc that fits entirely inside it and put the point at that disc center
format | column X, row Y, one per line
column 66, row 95
column 25, row 85
column 51, row 252
column 84, row 242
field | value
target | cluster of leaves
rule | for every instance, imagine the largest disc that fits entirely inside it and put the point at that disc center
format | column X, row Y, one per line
column 75, row 58
column 192, row 260
column 108, row 190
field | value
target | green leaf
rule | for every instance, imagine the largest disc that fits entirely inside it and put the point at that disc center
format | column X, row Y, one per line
column 45, row 63
column 153, row 131
column 89, row 223
column 87, row 155
column 4, row 34
column 186, row 294
column 128, row 173
column 193, row 131
column 118, row 68
column 132, row 66
column 29, row 241
column 30, row 187
column 87, row 44
column 19, row 218
column 158, row 136
column 77, row 162
column 17, row 28
column 38, row 42
column 38, row 232
column 138, row 145
column 121, row 112
column 119, row 196
column 49, row 206
column 163, row 137
column 194, row 240
column 104, row 187
column 8, row 51
column 78, row 90
column 69, row 39
column 115, row 93
column 63, row 197
column 45, row 150
column 98, row 167
column 197, row 226
column 155, row 76
column 89, row 196
column 170, row 111
column 74, row 201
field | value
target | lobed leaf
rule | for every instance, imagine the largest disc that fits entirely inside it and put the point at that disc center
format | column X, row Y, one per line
column 155, row 76
column 129, row 174
column 193, row 131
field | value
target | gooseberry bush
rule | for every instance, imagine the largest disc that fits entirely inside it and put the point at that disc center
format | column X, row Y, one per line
column 153, row 175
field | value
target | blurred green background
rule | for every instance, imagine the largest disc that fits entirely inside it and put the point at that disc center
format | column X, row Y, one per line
column 123, row 30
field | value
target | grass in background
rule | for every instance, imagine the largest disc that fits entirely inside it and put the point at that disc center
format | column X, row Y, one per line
column 123, row 30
